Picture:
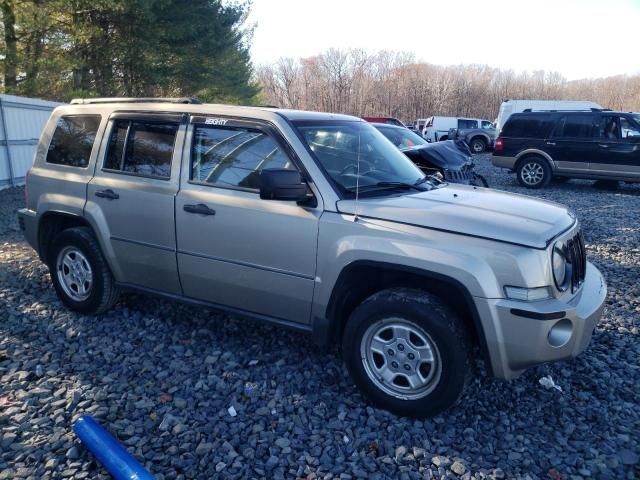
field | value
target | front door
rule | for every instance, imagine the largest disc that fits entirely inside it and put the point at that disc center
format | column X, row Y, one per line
column 618, row 148
column 235, row 249
column 131, row 197
column 573, row 145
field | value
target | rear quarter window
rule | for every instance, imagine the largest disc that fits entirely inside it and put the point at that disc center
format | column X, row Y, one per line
column 73, row 140
column 526, row 126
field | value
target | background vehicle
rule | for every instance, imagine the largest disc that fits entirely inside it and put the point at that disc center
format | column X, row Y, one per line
column 509, row 107
column 478, row 139
column 436, row 129
column 387, row 120
column 451, row 160
column 600, row 145
column 419, row 125
column 315, row 222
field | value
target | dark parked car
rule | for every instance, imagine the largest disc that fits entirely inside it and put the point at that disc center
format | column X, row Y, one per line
column 597, row 144
column 385, row 120
column 450, row 160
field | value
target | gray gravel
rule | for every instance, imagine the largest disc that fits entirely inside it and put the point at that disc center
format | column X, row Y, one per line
column 162, row 376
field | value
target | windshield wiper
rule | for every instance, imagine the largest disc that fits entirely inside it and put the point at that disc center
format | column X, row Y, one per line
column 388, row 185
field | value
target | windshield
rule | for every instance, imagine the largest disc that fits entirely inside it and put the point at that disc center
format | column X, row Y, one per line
column 402, row 138
column 337, row 145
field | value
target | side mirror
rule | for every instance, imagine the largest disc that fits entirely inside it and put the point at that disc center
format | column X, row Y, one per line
column 282, row 184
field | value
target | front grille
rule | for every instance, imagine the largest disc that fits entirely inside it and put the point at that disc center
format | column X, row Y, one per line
column 577, row 258
column 465, row 173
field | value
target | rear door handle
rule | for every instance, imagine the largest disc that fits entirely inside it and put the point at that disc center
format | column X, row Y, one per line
column 200, row 209
column 108, row 194
column 603, row 145
column 551, row 143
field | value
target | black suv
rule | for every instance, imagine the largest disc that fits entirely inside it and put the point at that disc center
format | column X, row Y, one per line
column 597, row 144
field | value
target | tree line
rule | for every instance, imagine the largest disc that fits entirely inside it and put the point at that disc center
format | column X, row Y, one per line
column 59, row 49
column 394, row 84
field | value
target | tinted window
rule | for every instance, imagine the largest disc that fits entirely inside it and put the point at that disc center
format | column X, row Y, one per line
column 575, row 126
column 73, row 140
column 141, row 148
column 463, row 123
column 234, row 156
column 525, row 126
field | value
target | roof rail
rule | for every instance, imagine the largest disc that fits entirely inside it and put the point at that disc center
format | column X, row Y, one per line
column 89, row 101
column 529, row 110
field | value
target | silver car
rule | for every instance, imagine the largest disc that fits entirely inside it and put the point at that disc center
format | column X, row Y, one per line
column 316, row 222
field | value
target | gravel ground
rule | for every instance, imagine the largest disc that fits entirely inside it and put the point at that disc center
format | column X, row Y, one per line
column 161, row 376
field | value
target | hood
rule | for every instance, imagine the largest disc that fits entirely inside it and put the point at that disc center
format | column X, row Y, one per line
column 451, row 155
column 479, row 212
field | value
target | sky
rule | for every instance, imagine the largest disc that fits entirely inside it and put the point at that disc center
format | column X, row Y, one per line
column 578, row 38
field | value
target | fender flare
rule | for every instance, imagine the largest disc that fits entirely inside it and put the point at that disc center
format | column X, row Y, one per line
column 540, row 153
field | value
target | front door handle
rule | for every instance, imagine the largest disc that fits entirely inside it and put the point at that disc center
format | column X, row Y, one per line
column 603, row 145
column 108, row 194
column 200, row 209
column 551, row 143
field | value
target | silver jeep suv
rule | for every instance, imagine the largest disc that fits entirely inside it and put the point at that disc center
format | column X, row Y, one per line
column 312, row 221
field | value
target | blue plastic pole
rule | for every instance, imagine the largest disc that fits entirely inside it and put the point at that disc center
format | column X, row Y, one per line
column 109, row 452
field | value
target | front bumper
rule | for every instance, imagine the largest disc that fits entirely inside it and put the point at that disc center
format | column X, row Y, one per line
column 503, row 162
column 27, row 219
column 520, row 335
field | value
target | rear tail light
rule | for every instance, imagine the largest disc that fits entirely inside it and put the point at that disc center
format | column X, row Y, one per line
column 498, row 145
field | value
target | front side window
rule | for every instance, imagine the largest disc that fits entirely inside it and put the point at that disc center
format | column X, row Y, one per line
column 234, row 156
column 487, row 125
column 73, row 140
column 575, row 126
column 628, row 129
column 142, row 148
column 357, row 156
column 465, row 123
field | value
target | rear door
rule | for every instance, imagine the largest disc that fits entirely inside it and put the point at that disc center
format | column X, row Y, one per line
column 131, row 197
column 573, row 145
column 618, row 147
column 234, row 248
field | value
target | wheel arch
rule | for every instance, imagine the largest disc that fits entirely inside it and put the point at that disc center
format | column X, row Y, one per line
column 50, row 224
column 534, row 152
column 361, row 279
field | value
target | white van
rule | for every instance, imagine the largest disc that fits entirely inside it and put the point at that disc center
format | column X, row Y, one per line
column 436, row 129
column 516, row 106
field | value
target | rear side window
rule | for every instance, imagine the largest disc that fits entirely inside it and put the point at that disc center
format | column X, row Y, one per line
column 233, row 157
column 575, row 126
column 464, row 123
column 141, row 148
column 525, row 126
column 73, row 140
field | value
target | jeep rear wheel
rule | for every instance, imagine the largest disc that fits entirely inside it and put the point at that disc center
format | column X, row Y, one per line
column 407, row 352
column 478, row 145
column 533, row 172
column 79, row 272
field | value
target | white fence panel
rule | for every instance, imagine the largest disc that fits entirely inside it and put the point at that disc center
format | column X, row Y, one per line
column 21, row 122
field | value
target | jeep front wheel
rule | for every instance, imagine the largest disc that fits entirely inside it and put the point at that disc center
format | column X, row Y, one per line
column 79, row 272
column 533, row 172
column 407, row 352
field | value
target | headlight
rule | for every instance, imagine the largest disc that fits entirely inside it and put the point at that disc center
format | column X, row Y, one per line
column 559, row 263
column 527, row 294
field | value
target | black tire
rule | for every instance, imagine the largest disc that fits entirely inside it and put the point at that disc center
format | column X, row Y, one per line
column 479, row 181
column 103, row 292
column 527, row 166
column 433, row 317
column 443, row 138
column 478, row 145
